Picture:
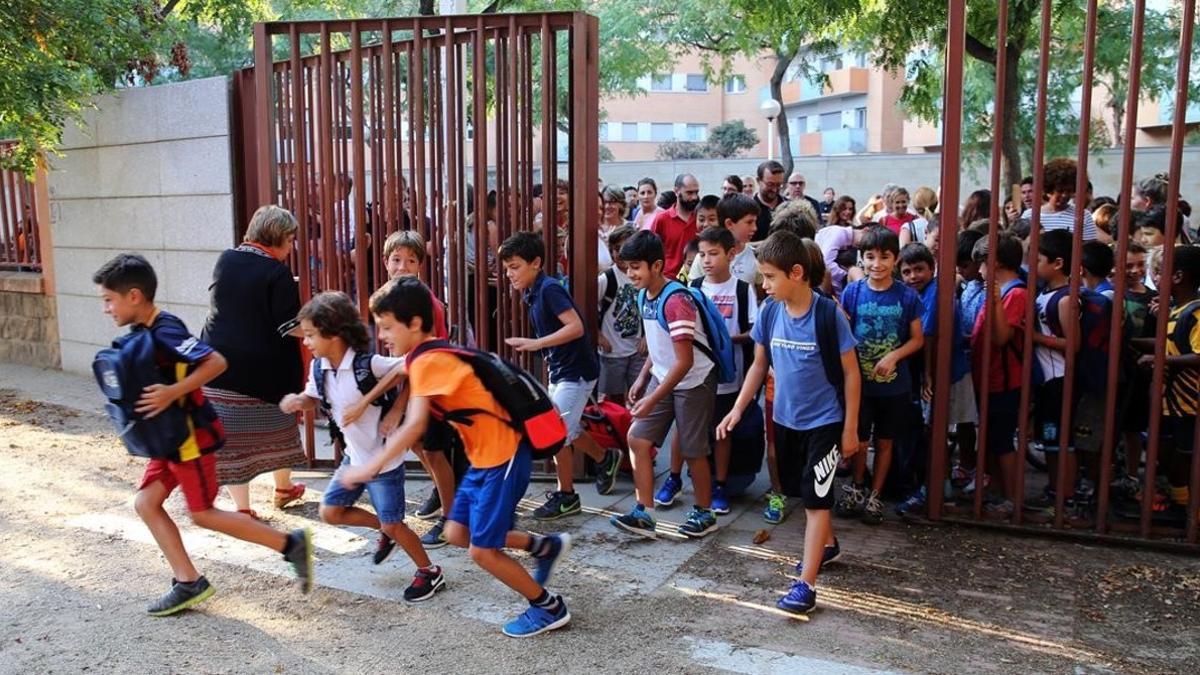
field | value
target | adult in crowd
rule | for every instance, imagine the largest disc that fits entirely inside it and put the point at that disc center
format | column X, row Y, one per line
column 748, row 186
column 647, row 204
column 732, row 185
column 770, row 180
column 630, row 201
column 978, row 206
column 839, row 243
column 677, row 225
column 613, row 214
column 825, row 206
column 253, row 292
column 796, row 184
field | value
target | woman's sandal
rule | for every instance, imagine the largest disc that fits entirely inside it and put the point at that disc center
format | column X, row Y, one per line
column 289, row 496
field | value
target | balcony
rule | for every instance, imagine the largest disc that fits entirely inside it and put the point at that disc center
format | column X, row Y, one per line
column 833, row 142
column 1166, row 112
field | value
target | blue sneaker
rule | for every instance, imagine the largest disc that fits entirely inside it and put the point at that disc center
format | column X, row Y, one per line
column 560, row 546
column 536, row 620
column 699, row 523
column 776, row 503
column 830, row 554
column 720, row 503
column 800, row 599
column 915, row 504
column 666, row 494
column 637, row 522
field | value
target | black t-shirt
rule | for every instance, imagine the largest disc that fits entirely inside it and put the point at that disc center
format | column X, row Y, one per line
column 764, row 217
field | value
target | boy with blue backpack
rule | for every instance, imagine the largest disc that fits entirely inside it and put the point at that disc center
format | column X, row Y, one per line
column 809, row 342
column 153, row 378
column 689, row 350
column 344, row 371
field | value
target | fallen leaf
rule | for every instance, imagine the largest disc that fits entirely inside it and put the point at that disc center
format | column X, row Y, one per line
column 761, row 536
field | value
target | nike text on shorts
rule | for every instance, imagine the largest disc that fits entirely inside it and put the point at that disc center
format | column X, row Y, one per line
column 812, row 456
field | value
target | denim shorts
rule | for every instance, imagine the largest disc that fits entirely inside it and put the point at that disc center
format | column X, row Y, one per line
column 570, row 398
column 386, row 492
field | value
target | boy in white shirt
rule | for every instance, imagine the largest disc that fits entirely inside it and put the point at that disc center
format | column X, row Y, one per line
column 621, row 345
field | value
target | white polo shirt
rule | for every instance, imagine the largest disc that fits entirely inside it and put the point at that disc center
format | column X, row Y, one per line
column 363, row 440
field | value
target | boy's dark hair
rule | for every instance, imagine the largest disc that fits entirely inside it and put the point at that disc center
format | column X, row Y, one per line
column 718, row 235
column 524, row 245
column 405, row 298
column 916, row 252
column 783, row 250
column 645, row 246
column 666, row 199
column 128, row 271
column 769, row 166
column 965, row 245
column 736, row 181
column 1187, row 263
column 1059, row 175
column 537, row 191
column 1155, row 217
column 1101, row 201
column 1097, row 259
column 816, row 263
column 710, row 202
column 1009, row 251
column 693, row 246
column 619, row 235
column 333, row 314
column 648, row 181
column 735, row 207
column 1027, row 180
column 1056, row 245
column 879, row 238
column 1136, row 247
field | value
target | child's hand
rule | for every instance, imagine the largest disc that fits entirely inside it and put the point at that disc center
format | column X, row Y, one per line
column 849, row 445
column 391, row 420
column 725, row 428
column 522, row 344
column 292, row 404
column 351, row 477
column 353, row 412
column 643, row 407
column 642, row 349
column 1146, row 362
column 886, row 366
column 927, row 391
column 603, row 345
column 155, row 399
column 635, row 392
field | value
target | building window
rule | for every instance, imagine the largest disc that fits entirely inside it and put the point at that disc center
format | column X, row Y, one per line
column 629, row 131
column 660, row 82
column 604, row 131
column 696, row 83
column 697, row 132
column 662, row 132
column 802, row 124
column 831, row 121
column 860, row 59
column 860, row 118
column 736, row 84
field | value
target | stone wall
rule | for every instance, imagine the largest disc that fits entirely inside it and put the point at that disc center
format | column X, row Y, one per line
column 28, row 325
column 150, row 174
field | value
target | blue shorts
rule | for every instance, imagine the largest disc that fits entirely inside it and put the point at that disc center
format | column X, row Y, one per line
column 486, row 500
column 386, row 491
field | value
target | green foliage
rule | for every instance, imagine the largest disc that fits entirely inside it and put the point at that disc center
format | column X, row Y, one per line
column 671, row 150
column 606, row 154
column 730, row 139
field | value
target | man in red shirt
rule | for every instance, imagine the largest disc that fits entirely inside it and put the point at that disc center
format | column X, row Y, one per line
column 677, row 225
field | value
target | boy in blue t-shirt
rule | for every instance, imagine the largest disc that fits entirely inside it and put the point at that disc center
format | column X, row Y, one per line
column 886, row 319
column 811, row 421
column 574, row 367
column 127, row 285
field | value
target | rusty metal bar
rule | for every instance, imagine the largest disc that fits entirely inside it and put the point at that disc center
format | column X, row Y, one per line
column 585, row 135
column 389, row 131
column 480, row 125
column 360, row 189
column 300, row 177
column 262, row 121
column 559, row 20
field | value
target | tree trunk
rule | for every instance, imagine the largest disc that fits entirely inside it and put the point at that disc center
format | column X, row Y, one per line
column 426, row 8
column 1010, row 148
column 782, row 61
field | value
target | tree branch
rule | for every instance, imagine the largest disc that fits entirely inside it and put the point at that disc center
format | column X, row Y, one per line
column 167, row 8
column 979, row 50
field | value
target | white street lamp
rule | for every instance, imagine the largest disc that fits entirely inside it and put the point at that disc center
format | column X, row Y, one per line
column 770, row 109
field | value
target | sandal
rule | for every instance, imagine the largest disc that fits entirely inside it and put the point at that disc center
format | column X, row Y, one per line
column 289, row 496
column 250, row 512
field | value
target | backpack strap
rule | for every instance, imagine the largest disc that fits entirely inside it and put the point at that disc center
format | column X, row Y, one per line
column 1053, row 317
column 850, row 301
column 766, row 317
column 318, row 376
column 610, row 292
column 743, row 312
column 825, row 321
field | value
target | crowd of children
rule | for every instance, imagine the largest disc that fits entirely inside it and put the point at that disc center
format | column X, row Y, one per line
column 833, row 311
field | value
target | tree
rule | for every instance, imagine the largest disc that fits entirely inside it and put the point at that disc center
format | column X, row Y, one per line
column 672, row 150
column 730, row 139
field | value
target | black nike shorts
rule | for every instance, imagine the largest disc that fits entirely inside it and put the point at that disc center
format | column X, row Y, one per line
column 807, row 462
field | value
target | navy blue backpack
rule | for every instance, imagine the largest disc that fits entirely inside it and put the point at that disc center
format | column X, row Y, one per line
column 123, row 372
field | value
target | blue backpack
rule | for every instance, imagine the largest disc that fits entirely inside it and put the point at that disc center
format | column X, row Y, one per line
column 1095, row 322
column 720, row 347
column 123, row 372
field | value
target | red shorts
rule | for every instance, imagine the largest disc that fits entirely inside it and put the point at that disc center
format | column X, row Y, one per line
column 197, row 478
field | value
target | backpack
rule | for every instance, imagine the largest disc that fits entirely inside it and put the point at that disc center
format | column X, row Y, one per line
column 1095, row 320
column 743, row 317
column 720, row 347
column 825, row 319
column 610, row 292
column 1012, row 344
column 364, row 378
column 123, row 372
column 531, row 411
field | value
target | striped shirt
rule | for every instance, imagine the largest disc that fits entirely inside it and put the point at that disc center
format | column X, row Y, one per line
column 1179, row 395
column 1064, row 220
column 683, row 320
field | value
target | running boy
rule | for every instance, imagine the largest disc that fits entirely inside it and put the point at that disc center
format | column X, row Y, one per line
column 886, row 318
column 622, row 347
column 811, row 421
column 484, row 512
column 681, row 391
column 574, row 368
column 335, row 334
column 127, row 286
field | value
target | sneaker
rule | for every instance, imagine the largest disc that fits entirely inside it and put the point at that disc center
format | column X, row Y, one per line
column 774, row 512
column 181, row 596
column 960, row 476
column 558, row 504
column 559, row 547
column 699, row 523
column 1085, row 490
column 800, row 599
column 666, row 494
column 432, row 508
column 852, row 501
column 606, row 472
column 873, row 510
column 436, row 536
column 720, row 503
column 828, row 555
column 425, row 584
column 914, row 504
column 536, row 620
column 1126, row 485
column 637, row 522
column 969, row 490
column 300, row 554
column 383, row 548
column 1000, row 507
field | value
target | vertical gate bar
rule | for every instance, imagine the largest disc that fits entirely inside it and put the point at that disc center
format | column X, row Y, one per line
column 530, row 116
column 338, row 215
column 989, row 281
column 350, row 136
column 453, row 219
column 300, row 176
column 956, row 36
column 377, row 209
column 549, row 134
column 283, row 113
column 509, row 203
column 1122, row 256
column 480, row 125
column 326, row 176
column 360, row 170
column 416, row 122
column 263, row 69
column 585, row 152
column 5, row 229
column 312, row 179
column 437, row 211
column 1039, row 160
column 500, row 322
column 389, row 130
column 1072, row 329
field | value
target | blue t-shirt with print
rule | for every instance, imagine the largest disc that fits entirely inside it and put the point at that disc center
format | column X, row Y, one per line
column 972, row 299
column 804, row 399
column 960, row 357
column 880, row 321
column 571, row 362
